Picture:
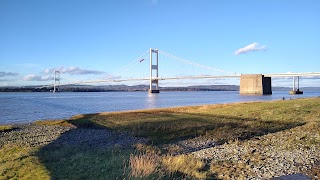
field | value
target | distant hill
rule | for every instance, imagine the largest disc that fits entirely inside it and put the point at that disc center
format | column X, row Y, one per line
column 301, row 88
column 121, row 88
column 125, row 88
column 202, row 88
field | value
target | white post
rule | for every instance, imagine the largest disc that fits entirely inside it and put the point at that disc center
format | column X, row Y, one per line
column 298, row 83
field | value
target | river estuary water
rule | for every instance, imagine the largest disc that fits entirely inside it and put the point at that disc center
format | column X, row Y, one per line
column 28, row 107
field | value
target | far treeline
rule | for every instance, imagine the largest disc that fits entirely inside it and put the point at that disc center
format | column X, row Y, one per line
column 118, row 88
column 125, row 88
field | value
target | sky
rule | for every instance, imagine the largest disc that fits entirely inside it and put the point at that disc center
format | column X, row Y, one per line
column 91, row 39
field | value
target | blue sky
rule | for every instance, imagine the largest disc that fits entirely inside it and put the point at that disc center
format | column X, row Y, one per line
column 90, row 39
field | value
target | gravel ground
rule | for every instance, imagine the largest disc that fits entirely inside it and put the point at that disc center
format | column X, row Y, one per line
column 272, row 155
column 32, row 135
column 190, row 145
column 287, row 152
column 37, row 135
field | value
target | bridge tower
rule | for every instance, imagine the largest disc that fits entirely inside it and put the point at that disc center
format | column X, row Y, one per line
column 56, row 80
column 154, row 73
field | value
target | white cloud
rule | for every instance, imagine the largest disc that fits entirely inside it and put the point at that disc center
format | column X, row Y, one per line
column 33, row 77
column 3, row 74
column 251, row 47
column 73, row 70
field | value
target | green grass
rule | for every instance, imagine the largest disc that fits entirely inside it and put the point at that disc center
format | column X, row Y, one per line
column 62, row 162
column 225, row 123
column 21, row 163
column 79, row 163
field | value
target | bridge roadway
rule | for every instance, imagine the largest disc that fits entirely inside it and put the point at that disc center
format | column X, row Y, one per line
column 306, row 74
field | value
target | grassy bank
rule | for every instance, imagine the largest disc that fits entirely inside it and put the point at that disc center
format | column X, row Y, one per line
column 222, row 122
column 231, row 124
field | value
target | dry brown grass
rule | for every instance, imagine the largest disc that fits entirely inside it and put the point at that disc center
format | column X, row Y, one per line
column 143, row 164
column 185, row 164
column 53, row 122
column 147, row 165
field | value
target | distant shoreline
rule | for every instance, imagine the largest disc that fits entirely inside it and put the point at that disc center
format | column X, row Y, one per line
column 138, row 88
column 119, row 88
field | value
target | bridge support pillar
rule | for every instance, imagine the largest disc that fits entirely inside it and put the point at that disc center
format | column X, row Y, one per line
column 295, row 90
column 255, row 84
column 154, row 73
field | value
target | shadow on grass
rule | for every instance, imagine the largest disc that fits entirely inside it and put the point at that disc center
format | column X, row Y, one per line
column 89, row 151
column 171, row 127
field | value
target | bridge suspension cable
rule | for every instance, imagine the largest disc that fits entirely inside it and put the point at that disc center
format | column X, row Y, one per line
column 171, row 67
column 131, row 64
column 130, row 71
column 116, row 76
column 194, row 63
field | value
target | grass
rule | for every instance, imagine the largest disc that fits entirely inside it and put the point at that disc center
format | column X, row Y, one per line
column 5, row 128
column 224, row 123
column 143, row 164
column 21, row 163
column 80, row 163
column 185, row 164
column 62, row 162
column 53, row 122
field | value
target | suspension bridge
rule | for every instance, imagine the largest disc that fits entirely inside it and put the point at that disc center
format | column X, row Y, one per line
column 147, row 67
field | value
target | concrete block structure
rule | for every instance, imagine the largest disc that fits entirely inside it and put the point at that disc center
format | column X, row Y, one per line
column 255, row 84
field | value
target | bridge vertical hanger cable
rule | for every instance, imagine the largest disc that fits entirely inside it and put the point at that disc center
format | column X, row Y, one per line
column 70, row 81
column 131, row 64
column 113, row 76
column 193, row 63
